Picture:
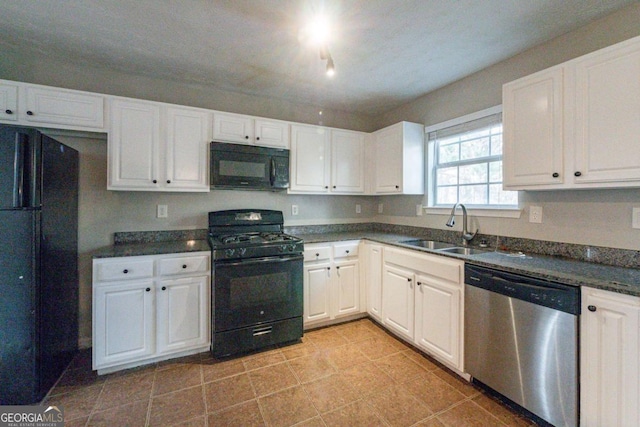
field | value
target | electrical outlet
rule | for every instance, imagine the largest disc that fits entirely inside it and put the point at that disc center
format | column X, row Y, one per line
column 358, row 208
column 419, row 210
column 380, row 208
column 162, row 211
column 294, row 209
column 535, row 214
column 635, row 222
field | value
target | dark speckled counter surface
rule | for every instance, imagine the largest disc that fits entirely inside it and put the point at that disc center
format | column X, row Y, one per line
column 568, row 271
column 152, row 248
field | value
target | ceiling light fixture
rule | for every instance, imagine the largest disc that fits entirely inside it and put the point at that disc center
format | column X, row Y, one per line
column 326, row 56
column 331, row 69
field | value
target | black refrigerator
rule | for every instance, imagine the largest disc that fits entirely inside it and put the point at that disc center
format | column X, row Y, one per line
column 38, row 263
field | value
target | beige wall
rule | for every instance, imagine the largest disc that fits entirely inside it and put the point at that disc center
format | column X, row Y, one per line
column 591, row 217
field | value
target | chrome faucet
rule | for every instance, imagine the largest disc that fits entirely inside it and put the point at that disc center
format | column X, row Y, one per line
column 466, row 236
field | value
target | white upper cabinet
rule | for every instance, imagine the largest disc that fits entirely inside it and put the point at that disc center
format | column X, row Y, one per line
column 134, row 144
column 309, row 162
column 34, row 105
column 155, row 147
column 327, row 161
column 399, row 159
column 607, row 115
column 187, row 149
column 533, row 126
column 347, row 161
column 8, row 102
column 575, row 125
column 243, row 129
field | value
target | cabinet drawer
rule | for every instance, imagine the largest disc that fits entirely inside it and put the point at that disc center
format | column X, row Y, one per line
column 123, row 269
column 184, row 265
column 318, row 253
column 343, row 250
column 432, row 265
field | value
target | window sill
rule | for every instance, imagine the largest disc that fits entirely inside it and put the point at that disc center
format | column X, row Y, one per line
column 484, row 212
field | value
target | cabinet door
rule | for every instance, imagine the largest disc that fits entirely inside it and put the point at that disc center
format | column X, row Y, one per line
column 317, row 292
column 232, row 128
column 388, row 163
column 64, row 107
column 124, row 323
column 347, row 162
column 310, row 162
column 398, row 301
column 438, row 318
column 134, row 145
column 607, row 128
column 187, row 149
column 610, row 354
column 373, row 278
column 347, row 287
column 8, row 102
column 271, row 133
column 183, row 319
column 533, row 130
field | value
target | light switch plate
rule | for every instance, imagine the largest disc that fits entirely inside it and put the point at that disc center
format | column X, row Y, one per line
column 358, row 208
column 535, row 214
column 635, row 222
column 419, row 210
column 380, row 208
column 162, row 211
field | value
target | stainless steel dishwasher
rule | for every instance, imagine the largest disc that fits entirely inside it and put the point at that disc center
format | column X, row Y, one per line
column 521, row 340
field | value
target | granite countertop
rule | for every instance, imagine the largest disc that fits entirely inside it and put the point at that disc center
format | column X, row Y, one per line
column 564, row 270
column 152, row 248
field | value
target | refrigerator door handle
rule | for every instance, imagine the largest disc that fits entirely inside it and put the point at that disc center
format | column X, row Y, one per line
column 21, row 147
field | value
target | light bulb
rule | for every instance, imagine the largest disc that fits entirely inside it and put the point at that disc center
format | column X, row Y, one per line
column 331, row 69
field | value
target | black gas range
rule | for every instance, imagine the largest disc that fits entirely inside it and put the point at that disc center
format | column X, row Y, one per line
column 257, row 281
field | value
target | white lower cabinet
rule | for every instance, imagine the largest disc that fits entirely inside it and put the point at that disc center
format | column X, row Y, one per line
column 373, row 279
column 610, row 356
column 422, row 301
column 438, row 318
column 398, row 300
column 149, row 308
column 332, row 286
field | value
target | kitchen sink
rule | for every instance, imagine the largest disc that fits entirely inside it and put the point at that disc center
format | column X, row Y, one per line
column 462, row 251
column 428, row 244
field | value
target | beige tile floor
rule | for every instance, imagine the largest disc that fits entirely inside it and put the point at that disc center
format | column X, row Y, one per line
column 354, row 374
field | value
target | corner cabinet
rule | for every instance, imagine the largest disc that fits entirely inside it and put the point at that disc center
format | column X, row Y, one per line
column 332, row 286
column 610, row 359
column 149, row 308
column 372, row 267
column 158, row 147
column 327, row 161
column 399, row 159
column 575, row 125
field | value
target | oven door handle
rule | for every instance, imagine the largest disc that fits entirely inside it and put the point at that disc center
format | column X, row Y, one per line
column 259, row 260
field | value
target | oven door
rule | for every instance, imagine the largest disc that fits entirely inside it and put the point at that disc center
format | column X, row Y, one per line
column 255, row 291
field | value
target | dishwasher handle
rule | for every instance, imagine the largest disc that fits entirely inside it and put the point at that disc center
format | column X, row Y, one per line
column 546, row 293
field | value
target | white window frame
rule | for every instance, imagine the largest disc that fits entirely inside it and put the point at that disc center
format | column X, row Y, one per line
column 481, row 211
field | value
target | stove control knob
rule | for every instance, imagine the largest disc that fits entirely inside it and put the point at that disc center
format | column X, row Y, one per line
column 242, row 251
column 229, row 253
column 290, row 248
column 282, row 248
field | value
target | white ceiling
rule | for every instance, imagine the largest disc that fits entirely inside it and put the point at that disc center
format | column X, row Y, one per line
column 387, row 52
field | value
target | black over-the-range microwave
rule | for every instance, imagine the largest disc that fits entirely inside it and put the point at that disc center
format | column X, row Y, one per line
column 248, row 167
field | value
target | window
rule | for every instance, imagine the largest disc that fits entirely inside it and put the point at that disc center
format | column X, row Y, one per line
column 466, row 164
